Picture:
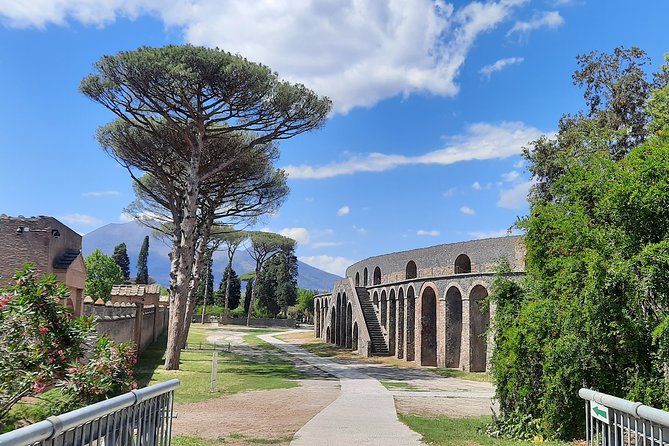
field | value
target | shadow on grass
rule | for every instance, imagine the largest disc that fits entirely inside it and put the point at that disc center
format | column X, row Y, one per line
column 150, row 360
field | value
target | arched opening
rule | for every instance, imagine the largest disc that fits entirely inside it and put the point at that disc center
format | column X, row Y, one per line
column 332, row 330
column 317, row 318
column 354, row 340
column 342, row 310
column 453, row 327
column 384, row 309
column 377, row 276
column 357, row 279
column 327, row 335
column 463, row 264
column 400, row 324
column 428, row 328
column 375, row 299
column 349, row 326
column 478, row 324
column 337, row 327
column 391, row 324
column 364, row 277
column 411, row 325
column 411, row 271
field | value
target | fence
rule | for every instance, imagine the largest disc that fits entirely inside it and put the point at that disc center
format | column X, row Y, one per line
column 138, row 418
column 612, row 421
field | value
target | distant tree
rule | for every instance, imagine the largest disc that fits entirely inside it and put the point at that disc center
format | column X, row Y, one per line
column 121, row 258
column 248, row 294
column 305, row 301
column 231, row 288
column 264, row 246
column 206, row 285
column 277, row 286
column 103, row 274
column 142, row 267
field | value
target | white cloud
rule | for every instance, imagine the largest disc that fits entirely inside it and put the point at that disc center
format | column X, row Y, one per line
column 344, row 210
column 108, row 193
column 125, row 217
column 476, row 185
column 324, row 244
column 361, row 231
column 520, row 164
column 491, row 234
column 499, row 65
column 356, row 52
column 80, row 219
column 429, row 233
column 334, row 265
column 516, row 197
column 450, row 192
column 467, row 210
column 481, row 142
column 546, row 19
column 300, row 235
column 510, row 176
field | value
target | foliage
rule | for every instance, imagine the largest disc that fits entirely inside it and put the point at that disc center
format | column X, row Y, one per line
column 142, row 267
column 206, row 285
column 121, row 258
column 235, row 290
column 42, row 345
column 277, row 286
column 103, row 274
column 250, row 283
column 305, row 300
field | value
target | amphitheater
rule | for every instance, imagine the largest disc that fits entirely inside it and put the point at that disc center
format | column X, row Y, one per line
column 422, row 305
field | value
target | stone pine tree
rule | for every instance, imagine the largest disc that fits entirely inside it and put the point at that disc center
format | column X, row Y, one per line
column 142, row 267
column 194, row 119
column 264, row 246
column 121, row 258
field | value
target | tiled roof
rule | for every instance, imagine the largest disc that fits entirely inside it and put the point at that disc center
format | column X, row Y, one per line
column 135, row 290
column 64, row 260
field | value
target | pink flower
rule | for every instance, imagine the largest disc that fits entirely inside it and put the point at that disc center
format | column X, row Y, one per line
column 4, row 301
column 71, row 370
column 39, row 387
column 43, row 330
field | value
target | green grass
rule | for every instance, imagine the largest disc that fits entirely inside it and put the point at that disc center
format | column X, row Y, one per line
column 444, row 431
column 400, row 385
column 235, row 373
column 182, row 440
column 456, row 373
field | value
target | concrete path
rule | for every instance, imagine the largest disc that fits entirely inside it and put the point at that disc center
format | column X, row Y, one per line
column 364, row 413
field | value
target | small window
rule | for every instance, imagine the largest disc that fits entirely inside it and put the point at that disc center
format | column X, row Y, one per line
column 411, row 270
column 462, row 264
column 377, row 276
column 357, row 279
column 364, row 278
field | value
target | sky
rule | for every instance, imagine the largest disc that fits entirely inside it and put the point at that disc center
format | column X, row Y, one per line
column 432, row 104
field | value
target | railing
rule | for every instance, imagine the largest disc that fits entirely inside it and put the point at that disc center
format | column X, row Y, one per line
column 138, row 418
column 613, row 421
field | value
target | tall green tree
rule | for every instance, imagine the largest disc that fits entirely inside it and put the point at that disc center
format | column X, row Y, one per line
column 121, row 258
column 188, row 116
column 248, row 293
column 229, row 292
column 142, row 266
column 277, row 287
column 592, row 310
column 206, row 286
column 103, row 274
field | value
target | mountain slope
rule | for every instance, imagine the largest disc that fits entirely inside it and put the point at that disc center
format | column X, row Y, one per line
column 133, row 233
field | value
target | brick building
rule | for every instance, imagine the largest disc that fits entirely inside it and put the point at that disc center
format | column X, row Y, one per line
column 50, row 245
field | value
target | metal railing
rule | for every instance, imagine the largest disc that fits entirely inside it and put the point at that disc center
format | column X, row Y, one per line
column 138, row 418
column 613, row 421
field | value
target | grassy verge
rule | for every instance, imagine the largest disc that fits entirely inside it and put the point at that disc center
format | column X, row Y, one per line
column 401, row 385
column 456, row 373
column 235, row 373
column 181, row 440
column 444, row 431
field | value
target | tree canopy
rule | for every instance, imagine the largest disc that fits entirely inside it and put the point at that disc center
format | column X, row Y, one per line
column 142, row 263
column 121, row 258
column 103, row 274
column 203, row 124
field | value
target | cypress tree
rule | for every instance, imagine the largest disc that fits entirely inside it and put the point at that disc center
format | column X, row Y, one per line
column 142, row 268
column 121, row 258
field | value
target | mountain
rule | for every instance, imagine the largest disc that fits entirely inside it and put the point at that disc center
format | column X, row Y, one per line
column 133, row 233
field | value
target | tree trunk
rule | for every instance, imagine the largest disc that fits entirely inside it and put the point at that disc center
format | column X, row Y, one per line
column 253, row 296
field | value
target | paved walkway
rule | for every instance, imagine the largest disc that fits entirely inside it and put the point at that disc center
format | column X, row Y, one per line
column 364, row 413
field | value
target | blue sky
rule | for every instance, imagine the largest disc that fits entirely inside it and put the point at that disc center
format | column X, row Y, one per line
column 432, row 104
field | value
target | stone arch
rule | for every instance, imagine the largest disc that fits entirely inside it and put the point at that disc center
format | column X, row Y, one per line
column 478, row 324
column 317, row 318
column 349, row 326
column 453, row 326
column 357, row 279
column 411, row 270
column 428, row 323
column 354, row 339
column 342, row 328
column 337, row 326
column 400, row 323
column 375, row 299
column 392, row 321
column 364, row 277
column 411, row 324
column 327, row 335
column 377, row 276
column 463, row 264
column 384, row 309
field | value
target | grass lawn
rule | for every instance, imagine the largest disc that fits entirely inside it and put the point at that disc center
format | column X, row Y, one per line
column 235, row 373
column 444, row 431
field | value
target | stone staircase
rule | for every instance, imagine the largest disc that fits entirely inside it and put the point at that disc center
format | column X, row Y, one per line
column 379, row 346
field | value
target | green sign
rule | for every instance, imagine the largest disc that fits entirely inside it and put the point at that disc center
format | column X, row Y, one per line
column 599, row 412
